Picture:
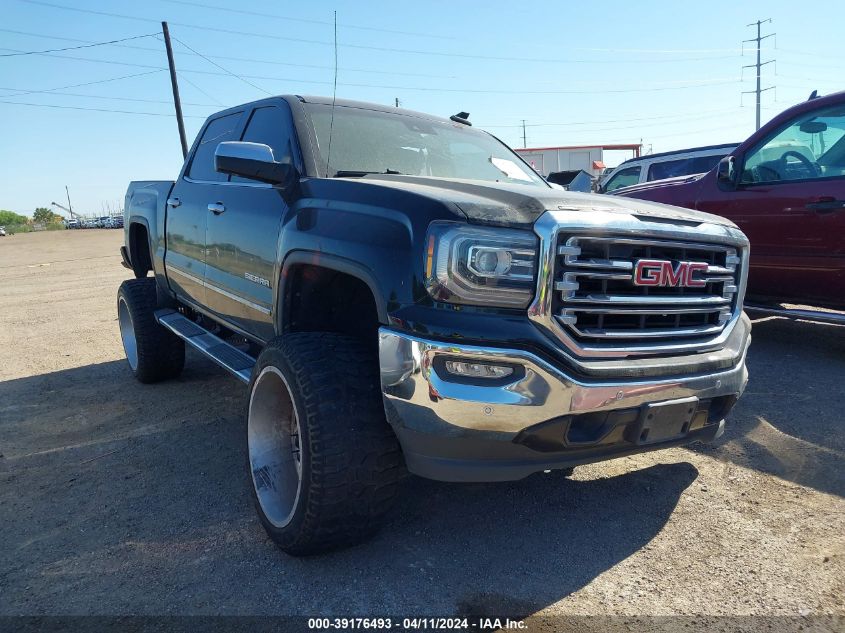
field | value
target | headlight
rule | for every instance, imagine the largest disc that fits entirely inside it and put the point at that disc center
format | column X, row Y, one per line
column 480, row 266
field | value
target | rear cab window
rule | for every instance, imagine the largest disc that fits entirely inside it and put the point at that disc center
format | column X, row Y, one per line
column 683, row 166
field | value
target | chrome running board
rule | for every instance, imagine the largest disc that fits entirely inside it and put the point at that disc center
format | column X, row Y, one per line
column 227, row 356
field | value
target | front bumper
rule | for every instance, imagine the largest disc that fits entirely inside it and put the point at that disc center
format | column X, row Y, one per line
column 541, row 417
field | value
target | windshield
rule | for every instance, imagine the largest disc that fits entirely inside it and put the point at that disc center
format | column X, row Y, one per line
column 368, row 141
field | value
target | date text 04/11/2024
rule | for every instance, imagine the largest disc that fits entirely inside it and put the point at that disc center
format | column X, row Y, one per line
column 413, row 624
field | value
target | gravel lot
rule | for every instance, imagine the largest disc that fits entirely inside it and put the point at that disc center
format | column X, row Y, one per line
column 120, row 498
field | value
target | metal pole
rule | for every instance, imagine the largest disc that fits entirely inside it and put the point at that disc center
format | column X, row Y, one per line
column 758, row 74
column 176, row 100
column 524, row 138
column 69, row 206
column 758, row 67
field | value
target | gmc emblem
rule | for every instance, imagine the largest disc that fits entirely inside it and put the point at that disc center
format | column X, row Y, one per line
column 660, row 272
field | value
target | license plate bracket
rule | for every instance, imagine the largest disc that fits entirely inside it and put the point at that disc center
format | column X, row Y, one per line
column 663, row 421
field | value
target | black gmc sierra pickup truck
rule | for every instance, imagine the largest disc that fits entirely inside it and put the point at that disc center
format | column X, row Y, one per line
column 401, row 292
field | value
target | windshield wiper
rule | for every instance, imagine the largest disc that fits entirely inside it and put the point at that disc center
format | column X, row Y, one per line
column 346, row 173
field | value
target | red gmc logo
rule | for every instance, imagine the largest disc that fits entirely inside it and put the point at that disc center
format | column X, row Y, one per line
column 659, row 272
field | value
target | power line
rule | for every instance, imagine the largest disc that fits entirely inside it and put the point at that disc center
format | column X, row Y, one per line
column 226, row 70
column 382, row 49
column 87, row 83
column 794, row 51
column 573, row 123
column 71, row 48
column 64, row 107
column 191, row 83
column 664, row 136
column 242, row 59
column 276, row 16
column 803, row 65
column 618, row 127
column 700, row 84
column 56, row 92
column 662, row 50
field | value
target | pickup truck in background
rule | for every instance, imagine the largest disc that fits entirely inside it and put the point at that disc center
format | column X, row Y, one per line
column 401, row 291
column 682, row 162
column 785, row 188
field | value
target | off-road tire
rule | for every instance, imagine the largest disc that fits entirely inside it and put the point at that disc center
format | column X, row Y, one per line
column 351, row 464
column 159, row 354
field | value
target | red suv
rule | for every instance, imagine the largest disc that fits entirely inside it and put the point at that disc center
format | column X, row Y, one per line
column 785, row 188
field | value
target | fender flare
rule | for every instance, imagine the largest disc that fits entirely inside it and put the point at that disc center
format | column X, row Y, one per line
column 332, row 262
column 139, row 219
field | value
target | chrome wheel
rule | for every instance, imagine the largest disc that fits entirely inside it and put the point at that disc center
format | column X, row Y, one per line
column 127, row 333
column 275, row 450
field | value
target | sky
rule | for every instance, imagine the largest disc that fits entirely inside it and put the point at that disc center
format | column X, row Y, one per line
column 667, row 74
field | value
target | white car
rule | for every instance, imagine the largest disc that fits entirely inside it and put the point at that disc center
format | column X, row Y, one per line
column 685, row 162
column 2, row 231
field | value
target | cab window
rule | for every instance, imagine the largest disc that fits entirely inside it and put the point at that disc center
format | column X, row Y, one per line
column 669, row 169
column 217, row 131
column 683, row 167
column 809, row 147
column 624, row 178
column 271, row 126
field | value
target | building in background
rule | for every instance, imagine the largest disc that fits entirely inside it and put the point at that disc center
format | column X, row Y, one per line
column 590, row 158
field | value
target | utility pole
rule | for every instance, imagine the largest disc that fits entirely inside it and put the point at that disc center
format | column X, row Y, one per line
column 69, row 205
column 176, row 100
column 64, row 208
column 759, row 65
column 397, row 102
column 524, row 137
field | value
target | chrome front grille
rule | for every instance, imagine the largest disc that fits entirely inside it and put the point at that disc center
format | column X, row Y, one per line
column 596, row 301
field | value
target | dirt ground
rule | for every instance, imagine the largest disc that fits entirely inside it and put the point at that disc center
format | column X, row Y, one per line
column 121, row 498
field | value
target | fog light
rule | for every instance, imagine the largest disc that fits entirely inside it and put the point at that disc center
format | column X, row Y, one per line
column 477, row 370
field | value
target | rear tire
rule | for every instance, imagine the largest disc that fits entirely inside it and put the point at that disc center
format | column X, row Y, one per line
column 153, row 352
column 324, row 463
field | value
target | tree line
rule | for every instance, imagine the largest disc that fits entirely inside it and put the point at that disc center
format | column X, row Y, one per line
column 41, row 215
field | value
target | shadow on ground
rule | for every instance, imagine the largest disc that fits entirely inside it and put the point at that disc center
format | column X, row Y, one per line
column 791, row 420
column 124, row 498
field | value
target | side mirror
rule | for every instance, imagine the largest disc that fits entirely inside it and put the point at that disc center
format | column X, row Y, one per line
column 251, row 160
column 726, row 171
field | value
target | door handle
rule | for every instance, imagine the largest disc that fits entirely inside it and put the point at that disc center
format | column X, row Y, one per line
column 173, row 202
column 216, row 208
column 826, row 204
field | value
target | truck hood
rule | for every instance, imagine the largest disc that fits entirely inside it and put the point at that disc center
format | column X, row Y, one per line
column 508, row 204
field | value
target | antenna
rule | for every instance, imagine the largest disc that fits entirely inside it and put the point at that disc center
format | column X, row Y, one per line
column 334, row 98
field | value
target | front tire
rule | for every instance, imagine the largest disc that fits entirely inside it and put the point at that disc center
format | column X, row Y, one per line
column 153, row 352
column 325, row 465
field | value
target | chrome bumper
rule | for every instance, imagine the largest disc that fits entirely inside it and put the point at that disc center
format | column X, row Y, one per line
column 423, row 400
